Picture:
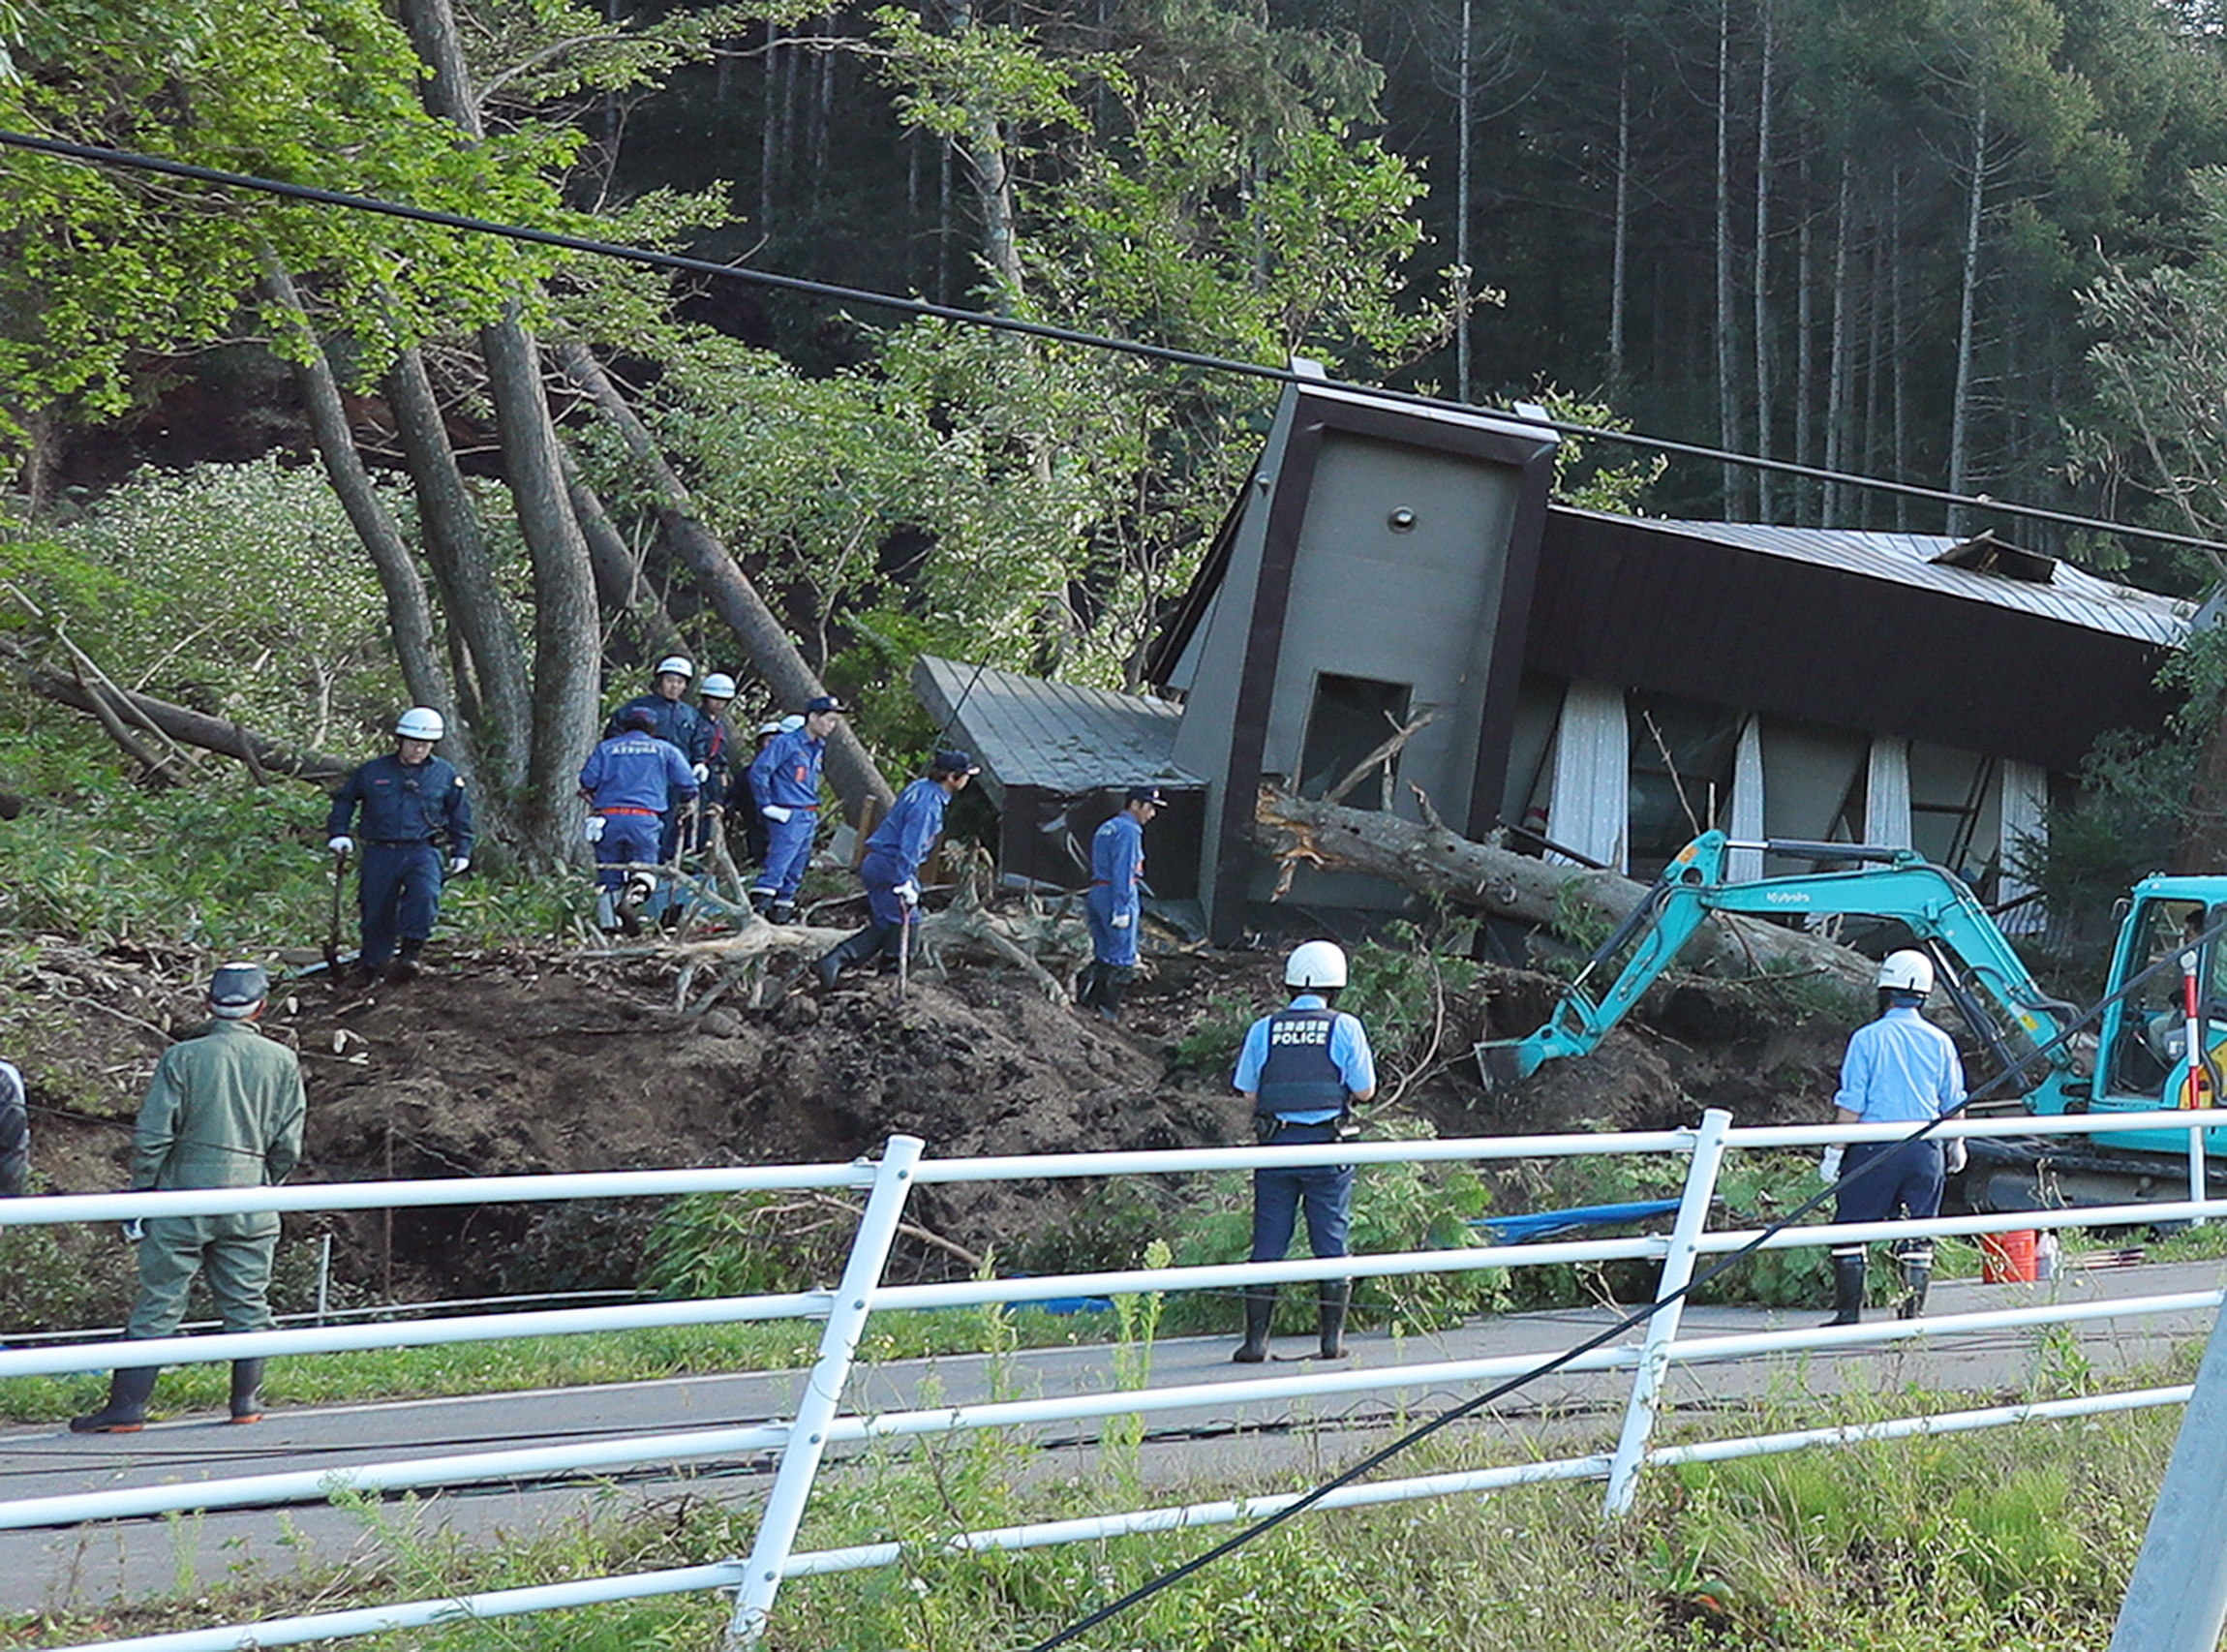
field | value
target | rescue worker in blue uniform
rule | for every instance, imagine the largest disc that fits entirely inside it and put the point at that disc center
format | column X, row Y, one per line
column 711, row 702
column 747, row 801
column 1302, row 1069
column 785, row 779
column 1114, row 905
column 1899, row 1069
column 626, row 780
column 890, row 868
column 224, row 1109
column 672, row 718
column 416, row 828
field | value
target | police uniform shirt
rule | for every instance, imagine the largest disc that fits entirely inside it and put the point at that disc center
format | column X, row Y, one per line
column 1900, row 1069
column 405, row 803
column 1345, row 1045
column 786, row 774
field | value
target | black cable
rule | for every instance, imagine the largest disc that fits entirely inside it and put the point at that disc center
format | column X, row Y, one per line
column 1638, row 1317
column 99, row 155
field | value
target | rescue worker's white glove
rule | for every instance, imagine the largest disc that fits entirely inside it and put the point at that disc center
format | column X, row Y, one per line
column 1829, row 1166
column 591, row 829
column 340, row 845
column 135, row 1229
column 701, row 773
column 1121, row 920
column 459, row 865
column 907, row 892
column 775, row 811
column 1955, row 1155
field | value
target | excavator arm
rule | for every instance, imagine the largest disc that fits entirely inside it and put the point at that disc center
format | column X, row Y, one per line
column 1901, row 884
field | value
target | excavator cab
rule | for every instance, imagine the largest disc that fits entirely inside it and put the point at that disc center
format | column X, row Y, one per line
column 2144, row 1033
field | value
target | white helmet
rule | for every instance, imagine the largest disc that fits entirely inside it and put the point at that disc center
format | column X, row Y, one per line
column 677, row 664
column 419, row 722
column 770, row 727
column 717, row 686
column 1316, row 963
column 1906, row 972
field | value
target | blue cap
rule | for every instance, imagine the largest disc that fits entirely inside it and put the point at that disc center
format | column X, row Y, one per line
column 954, row 762
column 640, row 717
column 822, row 703
column 236, row 989
column 1147, row 794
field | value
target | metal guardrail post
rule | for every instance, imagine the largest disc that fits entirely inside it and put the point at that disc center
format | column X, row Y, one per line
column 2177, row 1600
column 1662, row 1330
column 823, row 1392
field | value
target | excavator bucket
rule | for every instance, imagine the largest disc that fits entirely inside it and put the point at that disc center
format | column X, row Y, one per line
column 1500, row 1066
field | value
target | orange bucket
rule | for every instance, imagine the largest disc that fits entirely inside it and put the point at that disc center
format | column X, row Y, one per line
column 2007, row 1259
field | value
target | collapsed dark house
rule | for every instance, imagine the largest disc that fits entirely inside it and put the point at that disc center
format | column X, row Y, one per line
column 1603, row 685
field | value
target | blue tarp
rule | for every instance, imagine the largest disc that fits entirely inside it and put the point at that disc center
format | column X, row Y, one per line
column 1542, row 1224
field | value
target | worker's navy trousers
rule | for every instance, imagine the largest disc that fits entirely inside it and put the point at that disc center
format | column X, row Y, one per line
column 788, row 851
column 625, row 838
column 1108, row 944
column 1324, row 1191
column 399, row 891
column 1906, row 1185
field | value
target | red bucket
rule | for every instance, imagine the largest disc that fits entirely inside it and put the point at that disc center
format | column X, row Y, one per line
column 2007, row 1259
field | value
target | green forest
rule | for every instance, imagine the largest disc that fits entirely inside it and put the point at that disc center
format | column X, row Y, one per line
column 1969, row 244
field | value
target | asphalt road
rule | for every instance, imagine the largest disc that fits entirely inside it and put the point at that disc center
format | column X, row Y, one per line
column 89, row 1567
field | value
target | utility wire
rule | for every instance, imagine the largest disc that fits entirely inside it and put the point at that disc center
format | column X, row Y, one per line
column 1638, row 1317
column 99, row 155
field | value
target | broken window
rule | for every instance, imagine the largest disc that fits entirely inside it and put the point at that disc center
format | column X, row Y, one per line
column 1351, row 717
column 1682, row 753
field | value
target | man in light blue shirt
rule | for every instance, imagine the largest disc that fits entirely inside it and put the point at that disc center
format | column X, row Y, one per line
column 1900, row 1069
column 1301, row 1069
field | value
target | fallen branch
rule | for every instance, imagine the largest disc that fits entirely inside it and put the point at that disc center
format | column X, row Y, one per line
column 1484, row 877
column 181, row 724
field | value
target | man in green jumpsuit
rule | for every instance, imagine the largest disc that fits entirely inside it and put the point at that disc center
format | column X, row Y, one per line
column 224, row 1110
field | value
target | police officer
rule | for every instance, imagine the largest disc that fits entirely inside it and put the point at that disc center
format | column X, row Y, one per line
column 15, row 1134
column 224, row 1110
column 894, row 854
column 413, row 806
column 713, row 701
column 1899, row 1069
column 785, row 779
column 1302, row 1069
column 1114, row 904
column 671, row 718
column 626, row 780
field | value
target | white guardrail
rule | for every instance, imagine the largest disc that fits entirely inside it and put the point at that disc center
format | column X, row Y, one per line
column 820, row 1422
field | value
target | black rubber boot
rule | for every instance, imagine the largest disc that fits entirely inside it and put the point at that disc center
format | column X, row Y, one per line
column 1112, row 988
column 859, row 948
column 1260, row 1309
column 1331, row 1298
column 1848, row 1290
column 406, row 966
column 1088, row 984
column 761, row 901
column 126, row 1412
column 782, row 912
column 247, row 1401
column 1918, row 1270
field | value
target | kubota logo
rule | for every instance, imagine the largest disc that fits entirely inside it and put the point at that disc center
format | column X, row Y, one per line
column 1787, row 897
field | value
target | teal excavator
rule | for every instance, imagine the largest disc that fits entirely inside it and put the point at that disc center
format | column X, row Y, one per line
column 2136, row 1059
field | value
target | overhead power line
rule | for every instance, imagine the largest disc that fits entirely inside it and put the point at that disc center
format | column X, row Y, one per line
column 682, row 263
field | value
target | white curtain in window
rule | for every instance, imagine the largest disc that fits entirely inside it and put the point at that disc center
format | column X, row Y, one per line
column 1592, row 773
column 1746, row 822
column 1887, row 793
column 2024, row 828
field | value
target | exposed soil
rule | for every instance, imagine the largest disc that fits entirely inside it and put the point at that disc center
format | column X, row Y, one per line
column 513, row 1063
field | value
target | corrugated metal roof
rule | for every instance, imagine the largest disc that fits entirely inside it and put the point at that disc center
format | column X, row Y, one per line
column 1026, row 731
column 2073, row 597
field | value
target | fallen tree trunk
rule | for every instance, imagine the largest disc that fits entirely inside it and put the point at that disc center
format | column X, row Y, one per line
column 182, row 723
column 1435, row 861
